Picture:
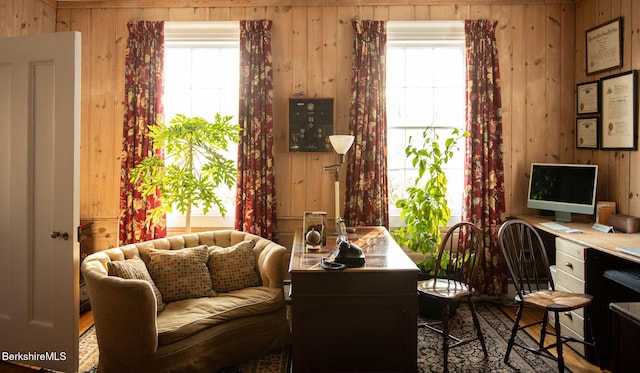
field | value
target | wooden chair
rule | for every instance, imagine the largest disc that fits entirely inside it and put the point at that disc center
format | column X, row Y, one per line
column 526, row 259
column 459, row 255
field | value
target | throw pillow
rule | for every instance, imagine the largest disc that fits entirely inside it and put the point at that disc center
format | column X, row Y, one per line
column 135, row 269
column 181, row 274
column 233, row 268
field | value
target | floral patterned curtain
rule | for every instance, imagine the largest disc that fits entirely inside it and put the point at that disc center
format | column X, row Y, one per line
column 144, row 64
column 256, row 196
column 484, row 201
column 366, row 191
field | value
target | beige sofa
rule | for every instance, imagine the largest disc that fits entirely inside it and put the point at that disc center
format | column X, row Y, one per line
column 196, row 334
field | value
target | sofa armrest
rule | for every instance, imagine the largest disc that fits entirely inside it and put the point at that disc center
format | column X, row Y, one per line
column 124, row 312
column 270, row 265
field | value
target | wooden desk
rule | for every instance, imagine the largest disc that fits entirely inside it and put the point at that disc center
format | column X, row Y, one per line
column 600, row 259
column 357, row 319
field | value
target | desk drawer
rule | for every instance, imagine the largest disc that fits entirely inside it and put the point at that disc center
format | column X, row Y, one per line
column 567, row 331
column 579, row 311
column 565, row 280
column 572, row 321
column 570, row 264
column 570, row 248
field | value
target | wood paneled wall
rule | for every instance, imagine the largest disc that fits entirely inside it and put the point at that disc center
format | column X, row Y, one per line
column 26, row 17
column 619, row 170
column 541, row 46
column 312, row 45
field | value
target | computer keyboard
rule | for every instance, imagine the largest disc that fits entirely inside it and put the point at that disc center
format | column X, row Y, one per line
column 555, row 226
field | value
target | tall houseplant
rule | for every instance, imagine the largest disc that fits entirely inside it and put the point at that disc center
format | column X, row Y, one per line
column 194, row 149
column 425, row 210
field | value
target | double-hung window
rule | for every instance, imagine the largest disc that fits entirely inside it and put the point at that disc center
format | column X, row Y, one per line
column 201, row 74
column 425, row 88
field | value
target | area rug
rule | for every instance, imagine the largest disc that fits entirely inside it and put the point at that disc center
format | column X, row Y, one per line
column 277, row 362
column 496, row 328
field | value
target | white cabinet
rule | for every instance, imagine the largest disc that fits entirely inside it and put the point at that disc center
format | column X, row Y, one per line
column 570, row 270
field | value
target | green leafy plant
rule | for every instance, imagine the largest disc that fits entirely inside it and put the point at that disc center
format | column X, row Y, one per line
column 425, row 210
column 195, row 165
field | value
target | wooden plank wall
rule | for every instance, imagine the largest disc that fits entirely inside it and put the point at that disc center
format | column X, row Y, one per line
column 312, row 57
column 26, row 17
column 541, row 46
column 619, row 170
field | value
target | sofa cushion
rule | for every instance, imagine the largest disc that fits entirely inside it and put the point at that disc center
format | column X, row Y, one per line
column 233, row 268
column 181, row 274
column 135, row 269
column 184, row 318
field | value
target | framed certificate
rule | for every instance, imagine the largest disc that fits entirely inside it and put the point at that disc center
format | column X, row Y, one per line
column 587, row 132
column 604, row 46
column 619, row 126
column 587, row 98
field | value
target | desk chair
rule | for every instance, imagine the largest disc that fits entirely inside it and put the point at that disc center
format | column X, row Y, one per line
column 526, row 260
column 459, row 255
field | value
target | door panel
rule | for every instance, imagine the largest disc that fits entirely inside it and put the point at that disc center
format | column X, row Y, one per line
column 39, row 167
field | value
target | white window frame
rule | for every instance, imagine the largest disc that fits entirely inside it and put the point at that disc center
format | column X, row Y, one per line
column 429, row 33
column 194, row 35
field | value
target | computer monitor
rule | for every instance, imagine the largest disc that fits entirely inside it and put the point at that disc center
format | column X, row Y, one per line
column 563, row 189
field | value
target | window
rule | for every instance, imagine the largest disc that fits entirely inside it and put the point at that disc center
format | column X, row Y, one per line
column 201, row 79
column 425, row 87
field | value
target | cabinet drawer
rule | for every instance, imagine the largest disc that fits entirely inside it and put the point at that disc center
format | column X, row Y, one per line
column 578, row 347
column 570, row 248
column 570, row 264
column 565, row 280
column 579, row 311
column 572, row 321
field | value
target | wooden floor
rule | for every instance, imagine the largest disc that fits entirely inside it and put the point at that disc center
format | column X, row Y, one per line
column 573, row 361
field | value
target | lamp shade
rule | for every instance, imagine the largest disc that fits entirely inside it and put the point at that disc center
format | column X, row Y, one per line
column 341, row 143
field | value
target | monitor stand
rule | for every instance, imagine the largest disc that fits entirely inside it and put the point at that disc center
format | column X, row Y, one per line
column 562, row 216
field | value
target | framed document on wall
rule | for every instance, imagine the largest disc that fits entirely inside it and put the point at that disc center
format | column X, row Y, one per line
column 587, row 132
column 619, row 126
column 587, row 98
column 604, row 46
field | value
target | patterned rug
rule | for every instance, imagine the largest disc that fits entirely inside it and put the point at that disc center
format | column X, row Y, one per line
column 270, row 363
column 496, row 326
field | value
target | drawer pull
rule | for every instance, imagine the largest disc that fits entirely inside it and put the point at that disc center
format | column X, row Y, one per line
column 568, row 264
column 569, row 316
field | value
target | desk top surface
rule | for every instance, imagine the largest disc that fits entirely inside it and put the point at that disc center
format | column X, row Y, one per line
column 590, row 237
column 381, row 251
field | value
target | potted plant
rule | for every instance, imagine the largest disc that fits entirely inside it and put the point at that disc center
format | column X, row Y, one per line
column 194, row 150
column 425, row 210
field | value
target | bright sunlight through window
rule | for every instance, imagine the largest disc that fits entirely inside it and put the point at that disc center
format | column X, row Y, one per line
column 425, row 87
column 201, row 79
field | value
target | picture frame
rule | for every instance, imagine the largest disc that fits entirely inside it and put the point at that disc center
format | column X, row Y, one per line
column 310, row 124
column 587, row 133
column 604, row 46
column 587, row 98
column 619, row 118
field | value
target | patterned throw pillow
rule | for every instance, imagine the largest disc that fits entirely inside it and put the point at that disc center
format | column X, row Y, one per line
column 233, row 268
column 181, row 274
column 135, row 269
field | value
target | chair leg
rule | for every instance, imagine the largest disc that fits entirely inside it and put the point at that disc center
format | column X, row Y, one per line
column 514, row 331
column 476, row 324
column 445, row 335
column 559, row 345
column 543, row 328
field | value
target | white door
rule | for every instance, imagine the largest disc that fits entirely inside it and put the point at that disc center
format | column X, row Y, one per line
column 39, row 199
